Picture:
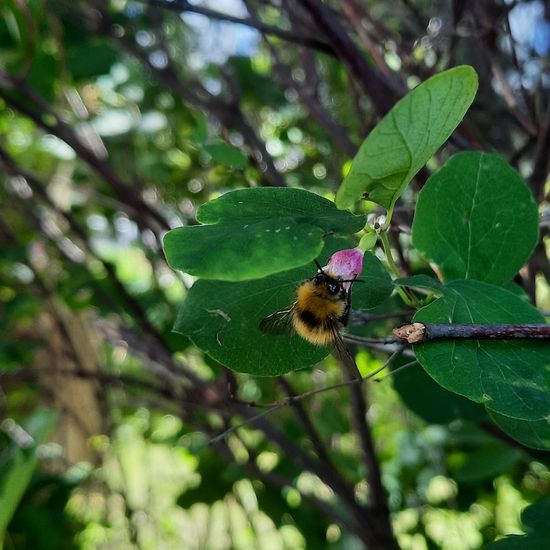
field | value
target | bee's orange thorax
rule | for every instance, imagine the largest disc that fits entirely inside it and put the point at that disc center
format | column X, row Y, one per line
column 310, row 299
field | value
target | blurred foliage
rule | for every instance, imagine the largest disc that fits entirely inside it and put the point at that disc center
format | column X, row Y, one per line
column 117, row 121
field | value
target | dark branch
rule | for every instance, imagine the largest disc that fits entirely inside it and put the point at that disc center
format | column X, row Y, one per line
column 382, row 531
column 180, row 6
column 144, row 215
column 374, row 86
column 418, row 333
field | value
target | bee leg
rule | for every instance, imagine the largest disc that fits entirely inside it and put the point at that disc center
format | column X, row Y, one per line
column 345, row 317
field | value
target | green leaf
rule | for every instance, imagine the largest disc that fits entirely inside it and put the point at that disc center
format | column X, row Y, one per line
column 43, row 75
column 223, row 252
column 486, row 463
column 90, row 58
column 429, row 400
column 476, row 218
column 407, row 137
column 226, row 155
column 535, row 517
column 511, row 377
column 223, row 318
column 256, row 232
column 17, row 469
column 533, row 433
column 535, row 523
column 199, row 133
column 264, row 203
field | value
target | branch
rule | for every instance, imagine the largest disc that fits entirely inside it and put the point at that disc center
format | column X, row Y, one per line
column 386, row 345
column 180, row 6
column 228, row 113
column 145, row 215
column 151, row 338
column 359, row 422
column 354, row 12
column 309, row 427
column 103, row 378
column 292, row 399
column 374, row 86
column 419, row 333
column 377, row 495
column 308, row 96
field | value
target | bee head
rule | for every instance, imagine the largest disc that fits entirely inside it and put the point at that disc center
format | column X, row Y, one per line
column 334, row 288
column 326, row 283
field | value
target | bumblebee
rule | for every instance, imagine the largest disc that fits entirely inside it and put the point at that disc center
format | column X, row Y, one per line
column 321, row 309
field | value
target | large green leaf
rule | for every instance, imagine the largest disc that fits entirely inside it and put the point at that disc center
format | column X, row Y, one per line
column 429, row 400
column 533, row 433
column 256, row 232
column 265, row 203
column 222, row 318
column 407, row 137
column 18, row 465
column 240, row 251
column 511, row 377
column 535, row 522
column 476, row 219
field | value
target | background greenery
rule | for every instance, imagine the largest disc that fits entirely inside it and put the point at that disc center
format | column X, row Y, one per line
column 118, row 119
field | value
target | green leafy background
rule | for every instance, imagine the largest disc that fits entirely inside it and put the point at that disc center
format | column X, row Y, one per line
column 535, row 522
column 76, row 256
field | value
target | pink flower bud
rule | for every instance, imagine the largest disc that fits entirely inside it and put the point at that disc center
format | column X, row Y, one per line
column 345, row 264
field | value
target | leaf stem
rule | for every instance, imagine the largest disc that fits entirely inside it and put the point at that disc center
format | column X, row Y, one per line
column 407, row 297
column 389, row 215
column 387, row 250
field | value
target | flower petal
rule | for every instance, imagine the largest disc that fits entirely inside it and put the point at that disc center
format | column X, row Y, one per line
column 346, row 264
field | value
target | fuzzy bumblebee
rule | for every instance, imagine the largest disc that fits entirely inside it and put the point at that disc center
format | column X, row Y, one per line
column 323, row 302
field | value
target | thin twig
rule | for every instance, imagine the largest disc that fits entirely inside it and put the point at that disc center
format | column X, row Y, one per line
column 311, row 431
column 291, row 399
column 359, row 318
column 395, row 371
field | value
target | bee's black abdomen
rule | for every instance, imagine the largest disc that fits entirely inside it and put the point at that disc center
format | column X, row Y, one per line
column 308, row 318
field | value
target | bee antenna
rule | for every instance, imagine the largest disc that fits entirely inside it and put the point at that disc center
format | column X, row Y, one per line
column 319, row 266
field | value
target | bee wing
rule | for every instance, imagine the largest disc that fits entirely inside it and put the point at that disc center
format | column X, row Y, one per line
column 279, row 322
column 339, row 344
